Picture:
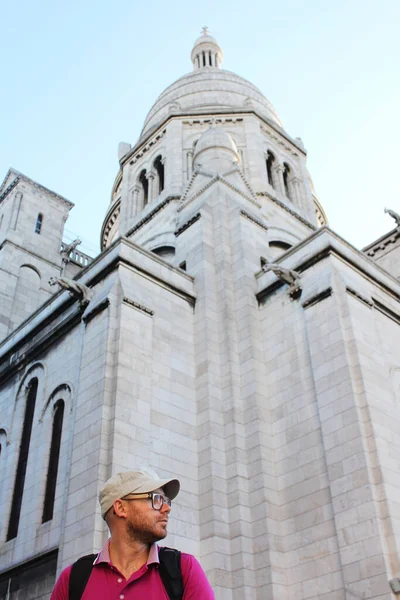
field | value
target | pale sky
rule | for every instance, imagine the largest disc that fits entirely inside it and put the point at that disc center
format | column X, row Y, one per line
column 80, row 76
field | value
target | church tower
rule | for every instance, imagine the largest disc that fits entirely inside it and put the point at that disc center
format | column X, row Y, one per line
column 32, row 220
column 224, row 336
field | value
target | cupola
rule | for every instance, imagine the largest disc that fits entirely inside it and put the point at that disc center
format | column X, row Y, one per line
column 206, row 52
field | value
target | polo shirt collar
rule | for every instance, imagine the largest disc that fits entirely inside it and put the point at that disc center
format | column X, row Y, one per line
column 104, row 555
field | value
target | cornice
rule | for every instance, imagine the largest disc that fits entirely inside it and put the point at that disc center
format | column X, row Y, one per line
column 151, row 214
column 141, row 148
column 383, row 242
column 39, row 186
column 9, row 188
column 187, row 224
column 279, row 139
column 220, row 113
column 340, row 249
column 254, row 220
column 289, row 210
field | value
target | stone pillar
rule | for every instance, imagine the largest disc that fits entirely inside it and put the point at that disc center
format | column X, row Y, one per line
column 150, row 178
column 294, row 184
column 278, row 179
column 134, row 205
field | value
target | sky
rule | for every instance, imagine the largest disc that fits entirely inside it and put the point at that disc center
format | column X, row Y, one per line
column 81, row 76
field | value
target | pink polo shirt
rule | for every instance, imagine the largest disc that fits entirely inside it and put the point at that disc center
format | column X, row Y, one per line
column 107, row 583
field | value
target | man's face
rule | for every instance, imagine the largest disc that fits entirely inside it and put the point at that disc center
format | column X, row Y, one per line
column 144, row 523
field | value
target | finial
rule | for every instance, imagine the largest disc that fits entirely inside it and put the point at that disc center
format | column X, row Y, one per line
column 204, row 31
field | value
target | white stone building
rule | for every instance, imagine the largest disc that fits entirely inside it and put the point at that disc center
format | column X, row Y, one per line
column 224, row 335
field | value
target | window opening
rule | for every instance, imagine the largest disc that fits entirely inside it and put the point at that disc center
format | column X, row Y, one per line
column 52, row 470
column 204, row 59
column 286, row 172
column 270, row 160
column 22, row 460
column 183, row 265
column 39, row 223
column 145, row 187
column 159, row 167
column 263, row 261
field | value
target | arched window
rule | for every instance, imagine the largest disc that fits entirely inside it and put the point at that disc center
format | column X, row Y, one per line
column 22, row 459
column 165, row 252
column 39, row 223
column 277, row 248
column 269, row 164
column 159, row 168
column 52, row 470
column 144, row 184
column 286, row 172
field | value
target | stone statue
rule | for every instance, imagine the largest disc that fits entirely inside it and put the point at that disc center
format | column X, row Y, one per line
column 68, row 248
column 76, row 290
column 292, row 278
column 394, row 215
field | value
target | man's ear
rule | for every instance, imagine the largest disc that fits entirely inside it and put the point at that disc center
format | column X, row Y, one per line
column 119, row 507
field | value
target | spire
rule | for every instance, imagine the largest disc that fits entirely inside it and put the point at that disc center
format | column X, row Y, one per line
column 206, row 52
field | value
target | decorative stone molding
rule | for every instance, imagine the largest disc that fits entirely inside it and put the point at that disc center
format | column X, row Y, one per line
column 318, row 298
column 36, row 185
column 289, row 210
column 360, row 297
column 147, row 146
column 98, row 307
column 270, row 133
column 254, row 220
column 9, row 188
column 385, row 310
column 212, row 121
column 187, row 224
column 151, row 214
column 109, row 225
column 210, row 183
column 138, row 306
column 382, row 243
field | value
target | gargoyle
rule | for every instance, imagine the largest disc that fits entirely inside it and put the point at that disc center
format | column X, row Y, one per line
column 76, row 290
column 292, row 278
column 68, row 248
column 394, row 215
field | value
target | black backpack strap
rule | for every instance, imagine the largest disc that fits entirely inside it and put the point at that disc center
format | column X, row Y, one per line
column 171, row 572
column 79, row 576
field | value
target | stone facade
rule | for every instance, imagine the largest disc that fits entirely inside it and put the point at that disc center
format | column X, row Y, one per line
column 272, row 392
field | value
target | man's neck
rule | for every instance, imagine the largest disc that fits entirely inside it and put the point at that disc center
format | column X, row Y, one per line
column 128, row 556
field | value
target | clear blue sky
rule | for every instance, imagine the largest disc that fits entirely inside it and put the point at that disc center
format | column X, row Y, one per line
column 78, row 77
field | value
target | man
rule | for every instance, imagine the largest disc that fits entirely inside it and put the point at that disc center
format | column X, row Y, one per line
column 136, row 507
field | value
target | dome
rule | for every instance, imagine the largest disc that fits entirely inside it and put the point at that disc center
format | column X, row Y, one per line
column 215, row 151
column 215, row 137
column 208, row 89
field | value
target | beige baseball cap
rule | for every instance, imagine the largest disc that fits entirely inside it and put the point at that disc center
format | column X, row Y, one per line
column 134, row 482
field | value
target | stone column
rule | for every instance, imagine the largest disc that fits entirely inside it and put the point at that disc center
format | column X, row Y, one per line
column 278, row 179
column 150, row 178
column 134, row 205
column 294, row 184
